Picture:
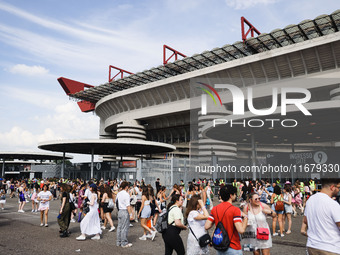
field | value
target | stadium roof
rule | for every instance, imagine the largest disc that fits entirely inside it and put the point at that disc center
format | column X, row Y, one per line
column 291, row 34
column 32, row 156
column 122, row 146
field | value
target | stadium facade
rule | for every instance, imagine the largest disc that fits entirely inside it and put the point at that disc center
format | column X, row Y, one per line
column 164, row 103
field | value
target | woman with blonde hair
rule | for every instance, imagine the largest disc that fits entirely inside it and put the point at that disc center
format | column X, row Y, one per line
column 256, row 212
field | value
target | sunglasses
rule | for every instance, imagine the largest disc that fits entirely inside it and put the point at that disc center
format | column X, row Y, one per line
column 257, row 199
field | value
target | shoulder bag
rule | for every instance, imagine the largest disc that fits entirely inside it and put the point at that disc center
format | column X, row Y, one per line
column 204, row 240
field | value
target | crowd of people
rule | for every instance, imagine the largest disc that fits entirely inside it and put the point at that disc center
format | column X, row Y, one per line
column 188, row 206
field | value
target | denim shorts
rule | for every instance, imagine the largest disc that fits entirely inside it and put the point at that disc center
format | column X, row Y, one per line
column 277, row 212
column 230, row 251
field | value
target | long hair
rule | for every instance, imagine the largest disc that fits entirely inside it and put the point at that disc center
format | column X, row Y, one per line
column 107, row 190
column 145, row 192
column 173, row 200
column 64, row 186
column 192, row 204
column 277, row 190
column 151, row 191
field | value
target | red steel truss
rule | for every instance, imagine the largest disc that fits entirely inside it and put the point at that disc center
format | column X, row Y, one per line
column 121, row 72
column 174, row 53
column 251, row 29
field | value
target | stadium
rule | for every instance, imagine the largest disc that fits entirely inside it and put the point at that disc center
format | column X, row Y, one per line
column 164, row 104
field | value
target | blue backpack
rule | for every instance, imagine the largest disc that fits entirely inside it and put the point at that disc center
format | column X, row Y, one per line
column 220, row 238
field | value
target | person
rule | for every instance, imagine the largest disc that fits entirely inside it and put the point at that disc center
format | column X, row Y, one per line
column 175, row 190
column 322, row 220
column 144, row 214
column 34, row 199
column 12, row 188
column 209, row 193
column 138, row 192
column 81, row 194
column 44, row 196
column 277, row 196
column 90, row 224
column 171, row 237
column 22, row 200
column 190, row 193
column 287, row 200
column 231, row 218
column 73, row 201
column 256, row 212
column 196, row 214
column 65, row 210
column 263, row 193
column 2, row 197
column 155, row 210
column 124, row 211
column 297, row 202
column 133, row 200
column 107, row 195
column 158, row 185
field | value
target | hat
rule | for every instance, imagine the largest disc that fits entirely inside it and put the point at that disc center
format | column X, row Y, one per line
column 1, row 179
column 287, row 182
column 93, row 186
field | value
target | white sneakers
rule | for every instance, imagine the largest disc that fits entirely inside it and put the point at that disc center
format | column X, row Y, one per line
column 22, row 211
column 73, row 220
column 42, row 224
column 143, row 238
column 275, row 234
column 112, row 229
column 103, row 227
column 96, row 237
column 151, row 236
column 81, row 238
column 127, row 245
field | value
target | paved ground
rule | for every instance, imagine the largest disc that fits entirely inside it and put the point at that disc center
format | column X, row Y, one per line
column 20, row 233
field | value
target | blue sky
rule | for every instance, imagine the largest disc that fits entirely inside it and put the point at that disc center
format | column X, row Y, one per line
column 42, row 40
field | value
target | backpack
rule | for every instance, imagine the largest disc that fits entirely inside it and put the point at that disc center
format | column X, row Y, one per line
column 220, row 238
column 279, row 205
column 162, row 221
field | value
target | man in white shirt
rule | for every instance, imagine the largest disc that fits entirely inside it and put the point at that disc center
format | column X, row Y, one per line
column 322, row 218
column 124, row 215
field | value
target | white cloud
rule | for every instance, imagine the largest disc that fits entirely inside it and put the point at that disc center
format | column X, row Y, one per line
column 28, row 70
column 245, row 4
column 69, row 122
column 33, row 97
column 19, row 138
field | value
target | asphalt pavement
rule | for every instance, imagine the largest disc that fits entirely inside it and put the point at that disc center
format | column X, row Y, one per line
column 20, row 233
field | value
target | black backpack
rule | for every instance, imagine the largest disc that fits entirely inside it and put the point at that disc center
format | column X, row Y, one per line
column 162, row 221
column 220, row 238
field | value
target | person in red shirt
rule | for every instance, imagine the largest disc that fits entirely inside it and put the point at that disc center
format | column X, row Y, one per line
column 231, row 218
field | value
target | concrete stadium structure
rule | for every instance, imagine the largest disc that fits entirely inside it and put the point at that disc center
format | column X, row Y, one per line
column 161, row 104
